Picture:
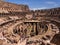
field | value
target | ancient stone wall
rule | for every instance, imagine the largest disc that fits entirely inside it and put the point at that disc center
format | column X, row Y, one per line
column 13, row 7
column 21, row 26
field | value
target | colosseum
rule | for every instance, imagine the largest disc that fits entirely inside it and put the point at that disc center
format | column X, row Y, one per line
column 21, row 26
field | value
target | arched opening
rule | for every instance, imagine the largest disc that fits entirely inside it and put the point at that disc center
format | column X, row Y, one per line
column 36, row 28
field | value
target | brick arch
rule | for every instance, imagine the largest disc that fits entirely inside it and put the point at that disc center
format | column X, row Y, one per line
column 57, row 23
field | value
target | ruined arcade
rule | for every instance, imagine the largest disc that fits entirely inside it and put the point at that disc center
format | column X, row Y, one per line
column 19, row 24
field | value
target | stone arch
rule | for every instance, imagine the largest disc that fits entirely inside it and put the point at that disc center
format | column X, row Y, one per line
column 57, row 23
column 51, row 21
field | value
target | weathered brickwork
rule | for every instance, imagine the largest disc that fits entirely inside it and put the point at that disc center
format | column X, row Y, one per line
column 21, row 26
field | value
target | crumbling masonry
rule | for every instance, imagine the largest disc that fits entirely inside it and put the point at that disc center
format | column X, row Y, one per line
column 21, row 26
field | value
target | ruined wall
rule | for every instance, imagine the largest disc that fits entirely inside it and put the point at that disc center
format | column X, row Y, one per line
column 21, row 26
column 13, row 7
